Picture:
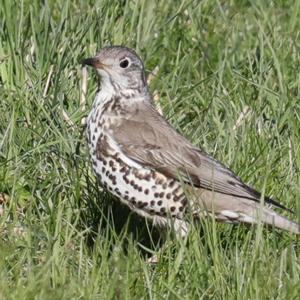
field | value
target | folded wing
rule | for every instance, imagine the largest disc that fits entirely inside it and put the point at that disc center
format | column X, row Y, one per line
column 155, row 144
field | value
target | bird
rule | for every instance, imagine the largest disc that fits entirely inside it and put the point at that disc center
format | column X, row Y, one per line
column 145, row 163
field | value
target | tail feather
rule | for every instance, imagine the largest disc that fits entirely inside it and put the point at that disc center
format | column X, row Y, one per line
column 270, row 217
column 231, row 209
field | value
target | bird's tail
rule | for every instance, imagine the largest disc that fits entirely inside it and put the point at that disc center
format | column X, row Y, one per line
column 256, row 213
column 271, row 218
column 231, row 209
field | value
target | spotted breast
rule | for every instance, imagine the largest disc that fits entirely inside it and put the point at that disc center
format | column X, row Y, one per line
column 147, row 192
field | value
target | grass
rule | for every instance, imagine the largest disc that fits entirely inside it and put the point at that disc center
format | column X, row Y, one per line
column 61, row 236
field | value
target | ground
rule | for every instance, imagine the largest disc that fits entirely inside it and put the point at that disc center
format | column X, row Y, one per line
column 227, row 77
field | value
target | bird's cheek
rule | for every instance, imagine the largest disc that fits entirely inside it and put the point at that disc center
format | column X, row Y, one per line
column 120, row 79
column 103, row 74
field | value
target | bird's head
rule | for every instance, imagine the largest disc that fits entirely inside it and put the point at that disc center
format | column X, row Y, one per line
column 120, row 68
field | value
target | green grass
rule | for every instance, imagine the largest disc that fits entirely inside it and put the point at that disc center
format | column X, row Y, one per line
column 61, row 236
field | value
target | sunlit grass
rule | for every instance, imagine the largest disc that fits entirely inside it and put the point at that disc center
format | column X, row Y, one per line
column 61, row 237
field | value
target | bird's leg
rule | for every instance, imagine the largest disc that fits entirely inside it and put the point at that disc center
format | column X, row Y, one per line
column 179, row 231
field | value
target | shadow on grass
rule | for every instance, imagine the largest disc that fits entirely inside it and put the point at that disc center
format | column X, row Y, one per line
column 116, row 222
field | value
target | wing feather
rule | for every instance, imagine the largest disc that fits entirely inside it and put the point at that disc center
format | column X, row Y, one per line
column 148, row 139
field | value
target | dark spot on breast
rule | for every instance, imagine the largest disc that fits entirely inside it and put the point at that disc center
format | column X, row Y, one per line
column 175, row 198
column 156, row 195
column 118, row 159
column 123, row 169
column 168, row 195
column 113, row 179
column 184, row 202
column 152, row 202
column 146, row 191
column 125, row 179
column 102, row 147
column 159, row 181
column 172, row 183
column 159, row 202
column 147, row 177
column 173, row 208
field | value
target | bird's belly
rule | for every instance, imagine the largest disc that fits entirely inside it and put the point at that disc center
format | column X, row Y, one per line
column 145, row 191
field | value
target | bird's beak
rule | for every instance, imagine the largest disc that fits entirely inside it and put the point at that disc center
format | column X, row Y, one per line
column 94, row 62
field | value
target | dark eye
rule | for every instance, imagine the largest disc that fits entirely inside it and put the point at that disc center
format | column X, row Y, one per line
column 124, row 63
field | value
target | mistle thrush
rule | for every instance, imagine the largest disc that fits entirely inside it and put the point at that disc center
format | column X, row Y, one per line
column 153, row 169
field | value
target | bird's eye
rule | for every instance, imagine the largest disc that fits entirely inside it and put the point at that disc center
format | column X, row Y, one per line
column 124, row 63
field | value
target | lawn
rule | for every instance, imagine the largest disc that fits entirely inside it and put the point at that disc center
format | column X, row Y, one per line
column 226, row 76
